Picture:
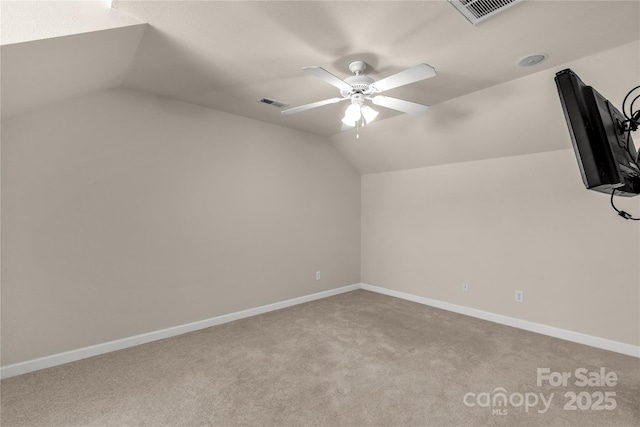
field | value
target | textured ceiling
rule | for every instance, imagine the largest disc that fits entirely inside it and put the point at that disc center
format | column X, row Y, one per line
column 228, row 54
column 24, row 21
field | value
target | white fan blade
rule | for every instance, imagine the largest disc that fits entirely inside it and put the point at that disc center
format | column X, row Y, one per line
column 346, row 127
column 312, row 105
column 410, row 75
column 399, row 104
column 323, row 74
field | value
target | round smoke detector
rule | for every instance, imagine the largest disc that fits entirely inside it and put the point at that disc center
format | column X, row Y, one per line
column 531, row 60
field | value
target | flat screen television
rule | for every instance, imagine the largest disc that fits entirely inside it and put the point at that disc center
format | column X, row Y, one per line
column 606, row 153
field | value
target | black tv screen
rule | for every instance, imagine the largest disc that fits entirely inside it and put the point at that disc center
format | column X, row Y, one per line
column 605, row 150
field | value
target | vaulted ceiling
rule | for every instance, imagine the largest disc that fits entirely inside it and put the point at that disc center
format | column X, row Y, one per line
column 227, row 55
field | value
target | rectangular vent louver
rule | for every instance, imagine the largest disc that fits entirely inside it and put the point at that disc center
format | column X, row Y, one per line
column 273, row 102
column 477, row 11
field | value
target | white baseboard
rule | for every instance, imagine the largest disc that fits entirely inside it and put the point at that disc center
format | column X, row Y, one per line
column 577, row 337
column 107, row 347
column 95, row 350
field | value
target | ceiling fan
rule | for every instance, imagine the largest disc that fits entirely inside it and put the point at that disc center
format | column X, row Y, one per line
column 360, row 88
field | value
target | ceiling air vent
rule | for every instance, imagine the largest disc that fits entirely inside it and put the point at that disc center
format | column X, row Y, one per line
column 273, row 102
column 477, row 11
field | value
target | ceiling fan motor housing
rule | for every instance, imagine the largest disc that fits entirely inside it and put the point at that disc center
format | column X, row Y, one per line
column 359, row 84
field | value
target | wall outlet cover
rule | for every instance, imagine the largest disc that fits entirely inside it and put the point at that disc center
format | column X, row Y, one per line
column 519, row 296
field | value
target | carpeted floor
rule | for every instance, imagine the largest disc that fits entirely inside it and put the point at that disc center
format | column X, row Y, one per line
column 356, row 359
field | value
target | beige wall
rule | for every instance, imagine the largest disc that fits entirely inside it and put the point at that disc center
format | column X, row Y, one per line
column 519, row 219
column 124, row 213
column 523, row 222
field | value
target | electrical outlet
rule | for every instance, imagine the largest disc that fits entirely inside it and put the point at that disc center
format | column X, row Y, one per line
column 519, row 295
column 317, row 275
column 465, row 287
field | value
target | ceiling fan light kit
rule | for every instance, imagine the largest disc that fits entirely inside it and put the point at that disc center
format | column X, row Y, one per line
column 369, row 114
column 360, row 88
column 352, row 114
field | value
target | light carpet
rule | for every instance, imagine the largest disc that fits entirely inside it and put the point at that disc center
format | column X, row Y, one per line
column 355, row 359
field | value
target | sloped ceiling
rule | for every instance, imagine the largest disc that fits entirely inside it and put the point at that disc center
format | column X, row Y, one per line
column 55, row 50
column 228, row 54
column 43, row 72
column 518, row 117
column 24, row 21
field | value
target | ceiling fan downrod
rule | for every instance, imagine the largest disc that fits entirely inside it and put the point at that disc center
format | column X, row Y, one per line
column 357, row 67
